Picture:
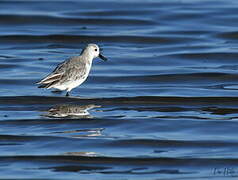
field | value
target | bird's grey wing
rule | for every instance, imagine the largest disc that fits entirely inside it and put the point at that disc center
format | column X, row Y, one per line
column 74, row 72
column 70, row 70
column 56, row 74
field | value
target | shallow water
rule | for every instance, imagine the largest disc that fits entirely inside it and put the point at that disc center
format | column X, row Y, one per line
column 165, row 105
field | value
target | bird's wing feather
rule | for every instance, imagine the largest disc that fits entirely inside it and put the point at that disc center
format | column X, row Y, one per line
column 69, row 70
column 74, row 73
column 50, row 78
column 56, row 74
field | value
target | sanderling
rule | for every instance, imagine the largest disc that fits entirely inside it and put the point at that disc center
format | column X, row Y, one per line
column 73, row 71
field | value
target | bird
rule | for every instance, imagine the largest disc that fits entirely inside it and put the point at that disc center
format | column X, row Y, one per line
column 73, row 71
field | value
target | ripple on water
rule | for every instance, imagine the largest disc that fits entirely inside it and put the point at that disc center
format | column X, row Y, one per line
column 163, row 107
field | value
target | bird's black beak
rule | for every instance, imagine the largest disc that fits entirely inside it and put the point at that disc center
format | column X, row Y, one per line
column 102, row 57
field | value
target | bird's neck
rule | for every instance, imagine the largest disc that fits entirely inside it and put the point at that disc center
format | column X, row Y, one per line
column 88, row 56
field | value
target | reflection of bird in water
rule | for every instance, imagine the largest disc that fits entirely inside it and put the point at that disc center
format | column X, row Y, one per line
column 70, row 110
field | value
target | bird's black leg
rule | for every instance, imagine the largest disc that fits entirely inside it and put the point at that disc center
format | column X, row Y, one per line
column 67, row 94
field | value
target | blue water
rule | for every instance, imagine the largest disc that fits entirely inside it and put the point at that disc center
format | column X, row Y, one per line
column 164, row 106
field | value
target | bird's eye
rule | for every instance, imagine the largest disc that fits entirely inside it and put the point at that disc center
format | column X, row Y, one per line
column 96, row 49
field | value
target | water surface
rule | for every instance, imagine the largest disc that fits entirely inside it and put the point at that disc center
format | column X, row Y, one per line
column 164, row 106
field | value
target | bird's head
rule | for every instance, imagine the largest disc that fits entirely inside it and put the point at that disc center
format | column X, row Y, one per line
column 94, row 50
